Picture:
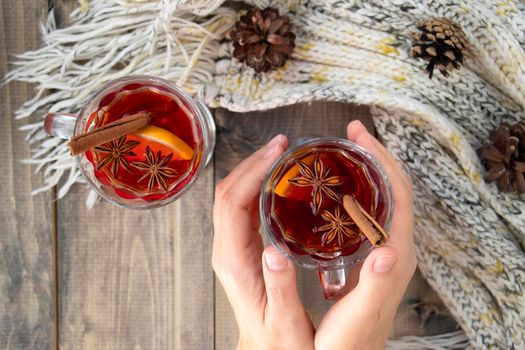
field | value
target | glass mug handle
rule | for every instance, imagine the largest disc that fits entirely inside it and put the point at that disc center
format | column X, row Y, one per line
column 334, row 282
column 60, row 125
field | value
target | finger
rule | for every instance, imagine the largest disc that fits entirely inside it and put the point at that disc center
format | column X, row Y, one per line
column 357, row 133
column 353, row 128
column 254, row 214
column 238, row 191
column 384, row 278
column 402, row 222
column 237, row 246
column 245, row 180
column 382, row 282
column 284, row 315
column 281, row 288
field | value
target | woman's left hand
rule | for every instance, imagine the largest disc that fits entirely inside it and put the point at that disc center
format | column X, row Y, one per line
column 261, row 286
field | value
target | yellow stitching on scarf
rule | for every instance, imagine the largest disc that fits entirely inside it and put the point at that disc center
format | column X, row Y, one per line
column 386, row 48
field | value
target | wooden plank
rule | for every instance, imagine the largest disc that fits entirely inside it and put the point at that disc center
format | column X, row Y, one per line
column 115, row 275
column 194, row 283
column 136, row 279
column 161, row 290
column 239, row 134
column 62, row 9
column 26, row 268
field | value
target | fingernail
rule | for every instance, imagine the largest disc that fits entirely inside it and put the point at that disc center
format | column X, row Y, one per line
column 357, row 123
column 276, row 140
column 273, row 146
column 276, row 261
column 384, row 264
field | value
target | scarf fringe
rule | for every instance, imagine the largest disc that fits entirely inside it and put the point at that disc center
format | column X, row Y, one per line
column 113, row 39
column 451, row 341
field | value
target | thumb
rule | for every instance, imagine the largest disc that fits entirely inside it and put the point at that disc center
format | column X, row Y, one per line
column 379, row 271
column 281, row 287
column 384, row 278
column 374, row 301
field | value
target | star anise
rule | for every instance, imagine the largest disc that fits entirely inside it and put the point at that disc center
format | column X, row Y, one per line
column 117, row 150
column 338, row 227
column 318, row 178
column 263, row 39
column 503, row 154
column 155, row 168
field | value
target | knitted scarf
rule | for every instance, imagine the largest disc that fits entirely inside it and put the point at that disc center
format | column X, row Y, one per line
column 470, row 238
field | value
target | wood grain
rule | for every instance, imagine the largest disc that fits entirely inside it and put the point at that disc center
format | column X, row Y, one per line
column 194, row 284
column 136, row 279
column 26, row 270
column 240, row 134
column 116, row 275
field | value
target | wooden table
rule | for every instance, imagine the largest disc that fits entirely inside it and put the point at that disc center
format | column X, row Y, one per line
column 110, row 278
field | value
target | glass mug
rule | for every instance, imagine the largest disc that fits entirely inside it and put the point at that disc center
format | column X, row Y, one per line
column 154, row 165
column 302, row 213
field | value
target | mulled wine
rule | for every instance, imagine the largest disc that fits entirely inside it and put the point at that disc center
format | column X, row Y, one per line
column 302, row 205
column 156, row 161
column 139, row 141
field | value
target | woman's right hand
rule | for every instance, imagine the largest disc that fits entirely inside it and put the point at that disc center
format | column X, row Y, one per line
column 362, row 318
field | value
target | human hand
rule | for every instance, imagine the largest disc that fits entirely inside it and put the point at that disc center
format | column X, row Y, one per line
column 362, row 318
column 262, row 292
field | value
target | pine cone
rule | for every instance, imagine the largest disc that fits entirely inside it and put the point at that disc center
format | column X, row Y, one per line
column 503, row 155
column 263, row 39
column 518, row 130
column 442, row 43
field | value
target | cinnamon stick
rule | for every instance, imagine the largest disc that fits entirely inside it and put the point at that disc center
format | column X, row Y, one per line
column 83, row 142
column 366, row 223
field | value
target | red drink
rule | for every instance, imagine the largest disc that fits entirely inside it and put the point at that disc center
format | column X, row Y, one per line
column 155, row 162
column 303, row 215
column 152, row 166
column 304, row 201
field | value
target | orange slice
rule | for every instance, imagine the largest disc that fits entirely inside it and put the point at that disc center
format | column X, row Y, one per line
column 283, row 187
column 175, row 144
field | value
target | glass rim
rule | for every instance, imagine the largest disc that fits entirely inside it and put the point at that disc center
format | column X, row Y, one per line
column 335, row 264
column 195, row 110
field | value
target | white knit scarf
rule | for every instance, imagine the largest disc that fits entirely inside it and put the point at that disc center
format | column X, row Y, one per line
column 470, row 238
